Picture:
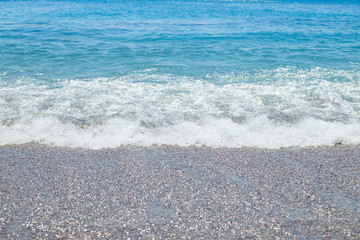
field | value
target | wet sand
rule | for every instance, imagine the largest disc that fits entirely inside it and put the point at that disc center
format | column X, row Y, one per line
column 172, row 193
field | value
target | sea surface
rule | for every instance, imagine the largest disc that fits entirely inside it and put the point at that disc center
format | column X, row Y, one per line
column 214, row 73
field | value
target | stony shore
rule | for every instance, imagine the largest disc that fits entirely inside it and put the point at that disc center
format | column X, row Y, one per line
column 172, row 193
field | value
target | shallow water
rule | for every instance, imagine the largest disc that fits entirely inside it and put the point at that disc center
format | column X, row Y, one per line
column 216, row 73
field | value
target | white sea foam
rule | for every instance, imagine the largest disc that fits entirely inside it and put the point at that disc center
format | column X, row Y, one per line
column 216, row 133
column 279, row 108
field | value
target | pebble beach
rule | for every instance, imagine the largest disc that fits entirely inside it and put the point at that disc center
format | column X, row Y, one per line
column 179, row 193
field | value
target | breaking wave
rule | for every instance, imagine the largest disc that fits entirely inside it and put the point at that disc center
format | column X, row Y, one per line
column 276, row 108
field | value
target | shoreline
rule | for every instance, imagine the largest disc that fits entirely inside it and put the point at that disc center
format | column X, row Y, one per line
column 172, row 192
column 154, row 146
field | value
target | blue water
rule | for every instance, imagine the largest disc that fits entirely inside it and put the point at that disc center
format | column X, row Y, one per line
column 216, row 73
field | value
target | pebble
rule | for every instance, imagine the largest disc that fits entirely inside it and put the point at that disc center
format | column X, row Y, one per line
column 179, row 193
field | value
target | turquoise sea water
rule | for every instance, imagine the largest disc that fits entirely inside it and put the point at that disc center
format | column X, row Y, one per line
column 217, row 73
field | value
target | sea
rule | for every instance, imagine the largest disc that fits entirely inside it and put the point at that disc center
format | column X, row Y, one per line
column 216, row 73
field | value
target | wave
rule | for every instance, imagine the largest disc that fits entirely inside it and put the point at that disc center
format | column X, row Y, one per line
column 276, row 108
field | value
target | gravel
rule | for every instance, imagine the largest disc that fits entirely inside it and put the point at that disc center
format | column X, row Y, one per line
column 179, row 193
